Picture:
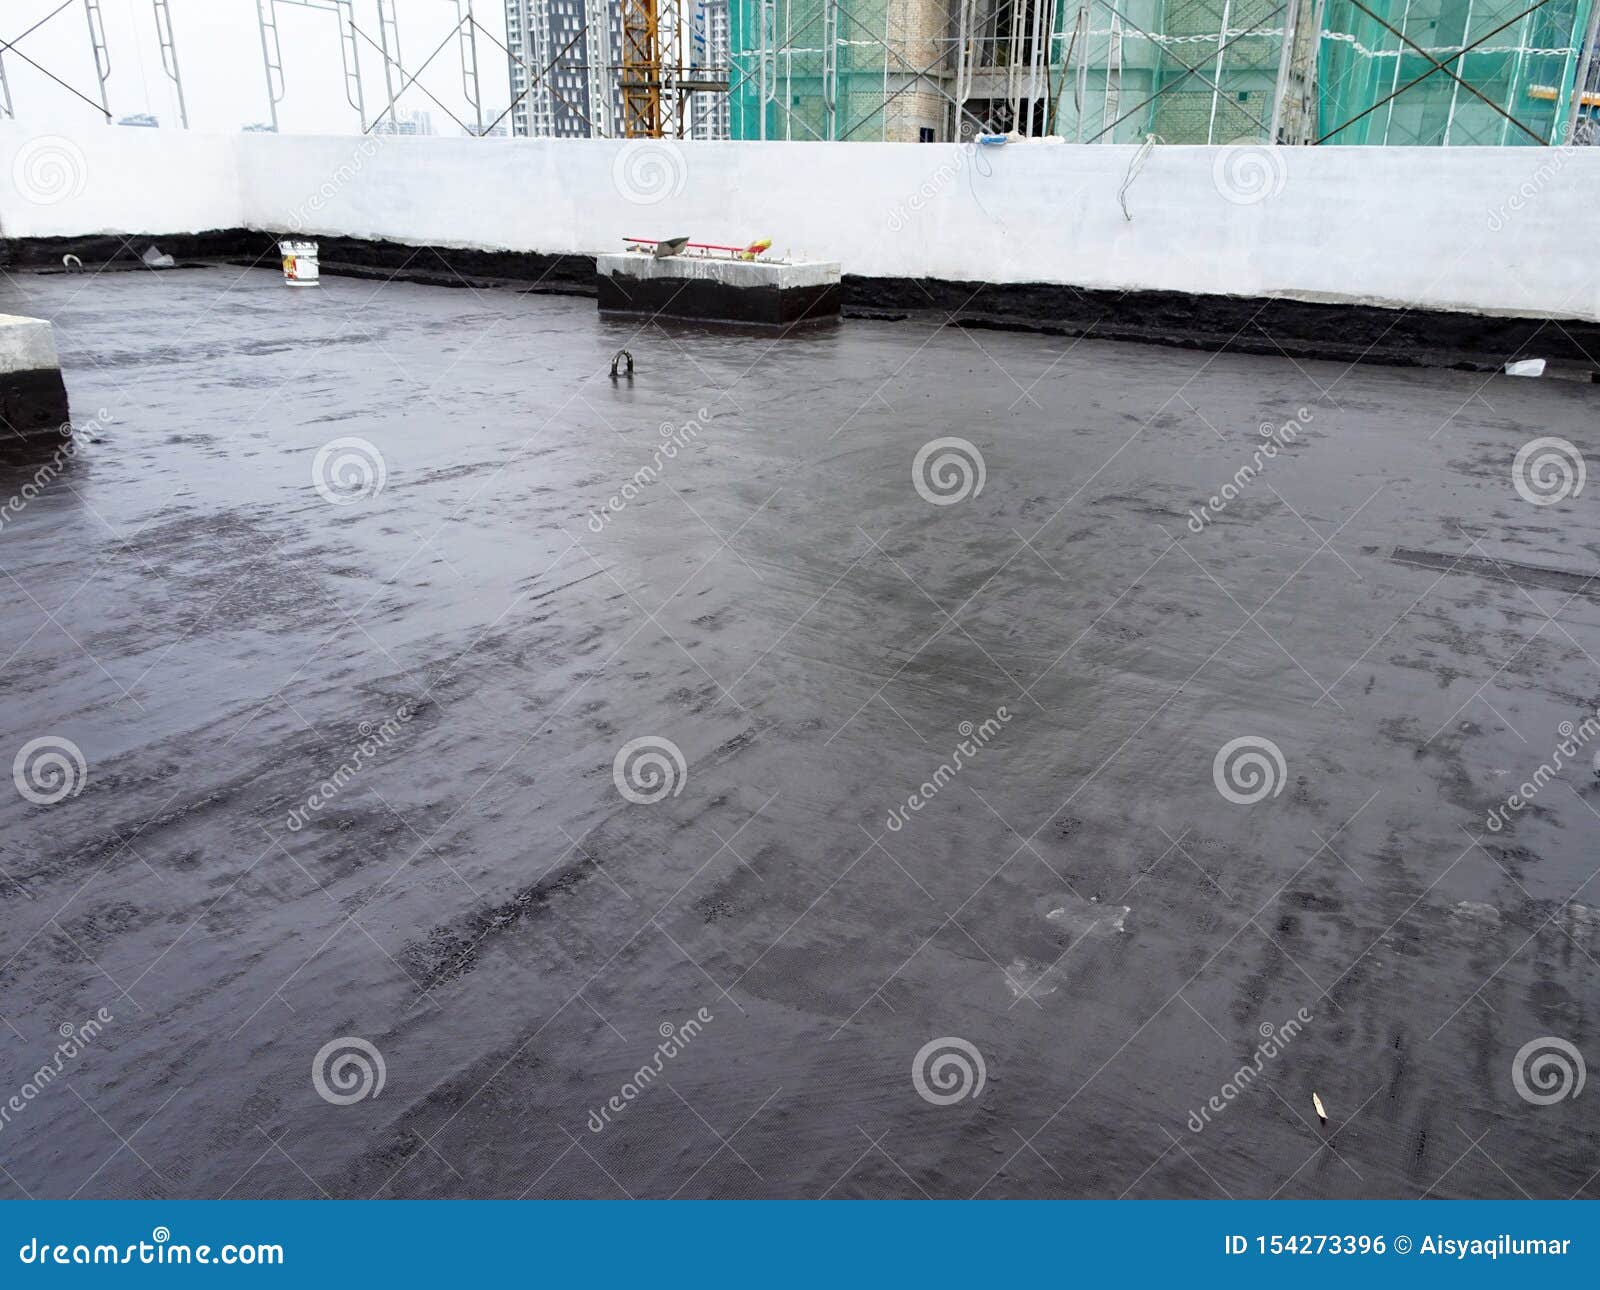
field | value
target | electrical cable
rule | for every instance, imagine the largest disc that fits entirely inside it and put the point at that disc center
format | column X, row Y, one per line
column 1135, row 165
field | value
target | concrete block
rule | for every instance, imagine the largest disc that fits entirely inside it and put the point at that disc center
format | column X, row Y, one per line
column 688, row 286
column 33, row 397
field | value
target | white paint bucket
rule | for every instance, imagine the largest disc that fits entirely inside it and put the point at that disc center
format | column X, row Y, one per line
column 300, row 267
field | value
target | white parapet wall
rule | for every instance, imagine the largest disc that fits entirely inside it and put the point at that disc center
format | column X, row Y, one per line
column 117, row 179
column 1495, row 230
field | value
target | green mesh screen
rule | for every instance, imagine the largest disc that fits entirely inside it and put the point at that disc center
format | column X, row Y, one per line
column 798, row 104
column 1189, row 71
column 1525, row 66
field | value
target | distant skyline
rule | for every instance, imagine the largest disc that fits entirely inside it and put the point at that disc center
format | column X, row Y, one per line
column 219, row 53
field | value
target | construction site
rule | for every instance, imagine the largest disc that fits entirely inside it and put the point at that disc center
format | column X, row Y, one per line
column 1391, row 73
column 806, row 600
column 1181, row 72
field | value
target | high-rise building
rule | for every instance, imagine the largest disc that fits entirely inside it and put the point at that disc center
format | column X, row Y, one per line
column 551, row 56
column 708, row 56
column 406, row 122
column 493, row 126
column 559, row 68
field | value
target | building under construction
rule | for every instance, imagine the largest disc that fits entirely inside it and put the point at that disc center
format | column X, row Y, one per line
column 1388, row 72
column 1184, row 71
column 601, row 68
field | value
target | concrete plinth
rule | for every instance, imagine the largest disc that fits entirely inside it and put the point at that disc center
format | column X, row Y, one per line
column 33, row 397
column 746, row 291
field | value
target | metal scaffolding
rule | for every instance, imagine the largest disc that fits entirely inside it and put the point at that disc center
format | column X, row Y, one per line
column 272, row 50
column 101, row 53
column 667, row 68
column 169, row 56
column 463, row 32
column 1453, row 72
column 97, row 44
column 1430, row 72
column 1331, row 72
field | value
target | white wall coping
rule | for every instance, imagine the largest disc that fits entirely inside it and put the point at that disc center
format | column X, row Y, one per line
column 703, row 268
column 26, row 345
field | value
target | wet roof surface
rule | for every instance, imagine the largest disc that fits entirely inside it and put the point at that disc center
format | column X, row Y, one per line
column 352, row 764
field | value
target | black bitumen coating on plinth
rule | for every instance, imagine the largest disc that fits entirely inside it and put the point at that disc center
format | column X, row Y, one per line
column 1298, row 329
column 32, row 404
column 697, row 298
column 476, row 899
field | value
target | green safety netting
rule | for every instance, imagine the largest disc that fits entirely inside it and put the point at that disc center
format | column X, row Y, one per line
column 1524, row 66
column 797, row 104
column 1188, row 71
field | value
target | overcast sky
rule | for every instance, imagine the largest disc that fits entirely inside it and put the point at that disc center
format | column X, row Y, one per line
column 219, row 52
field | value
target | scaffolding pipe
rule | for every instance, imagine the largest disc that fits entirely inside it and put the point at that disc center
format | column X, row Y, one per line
column 1394, row 84
column 963, row 57
column 597, row 53
column 1291, row 22
column 1113, row 99
column 1080, row 39
column 767, row 62
column 102, row 55
column 1455, row 90
column 1581, row 80
column 1517, row 68
column 169, row 56
column 1013, row 56
column 389, row 30
column 830, row 69
column 1216, row 85
column 467, row 26
column 271, row 56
